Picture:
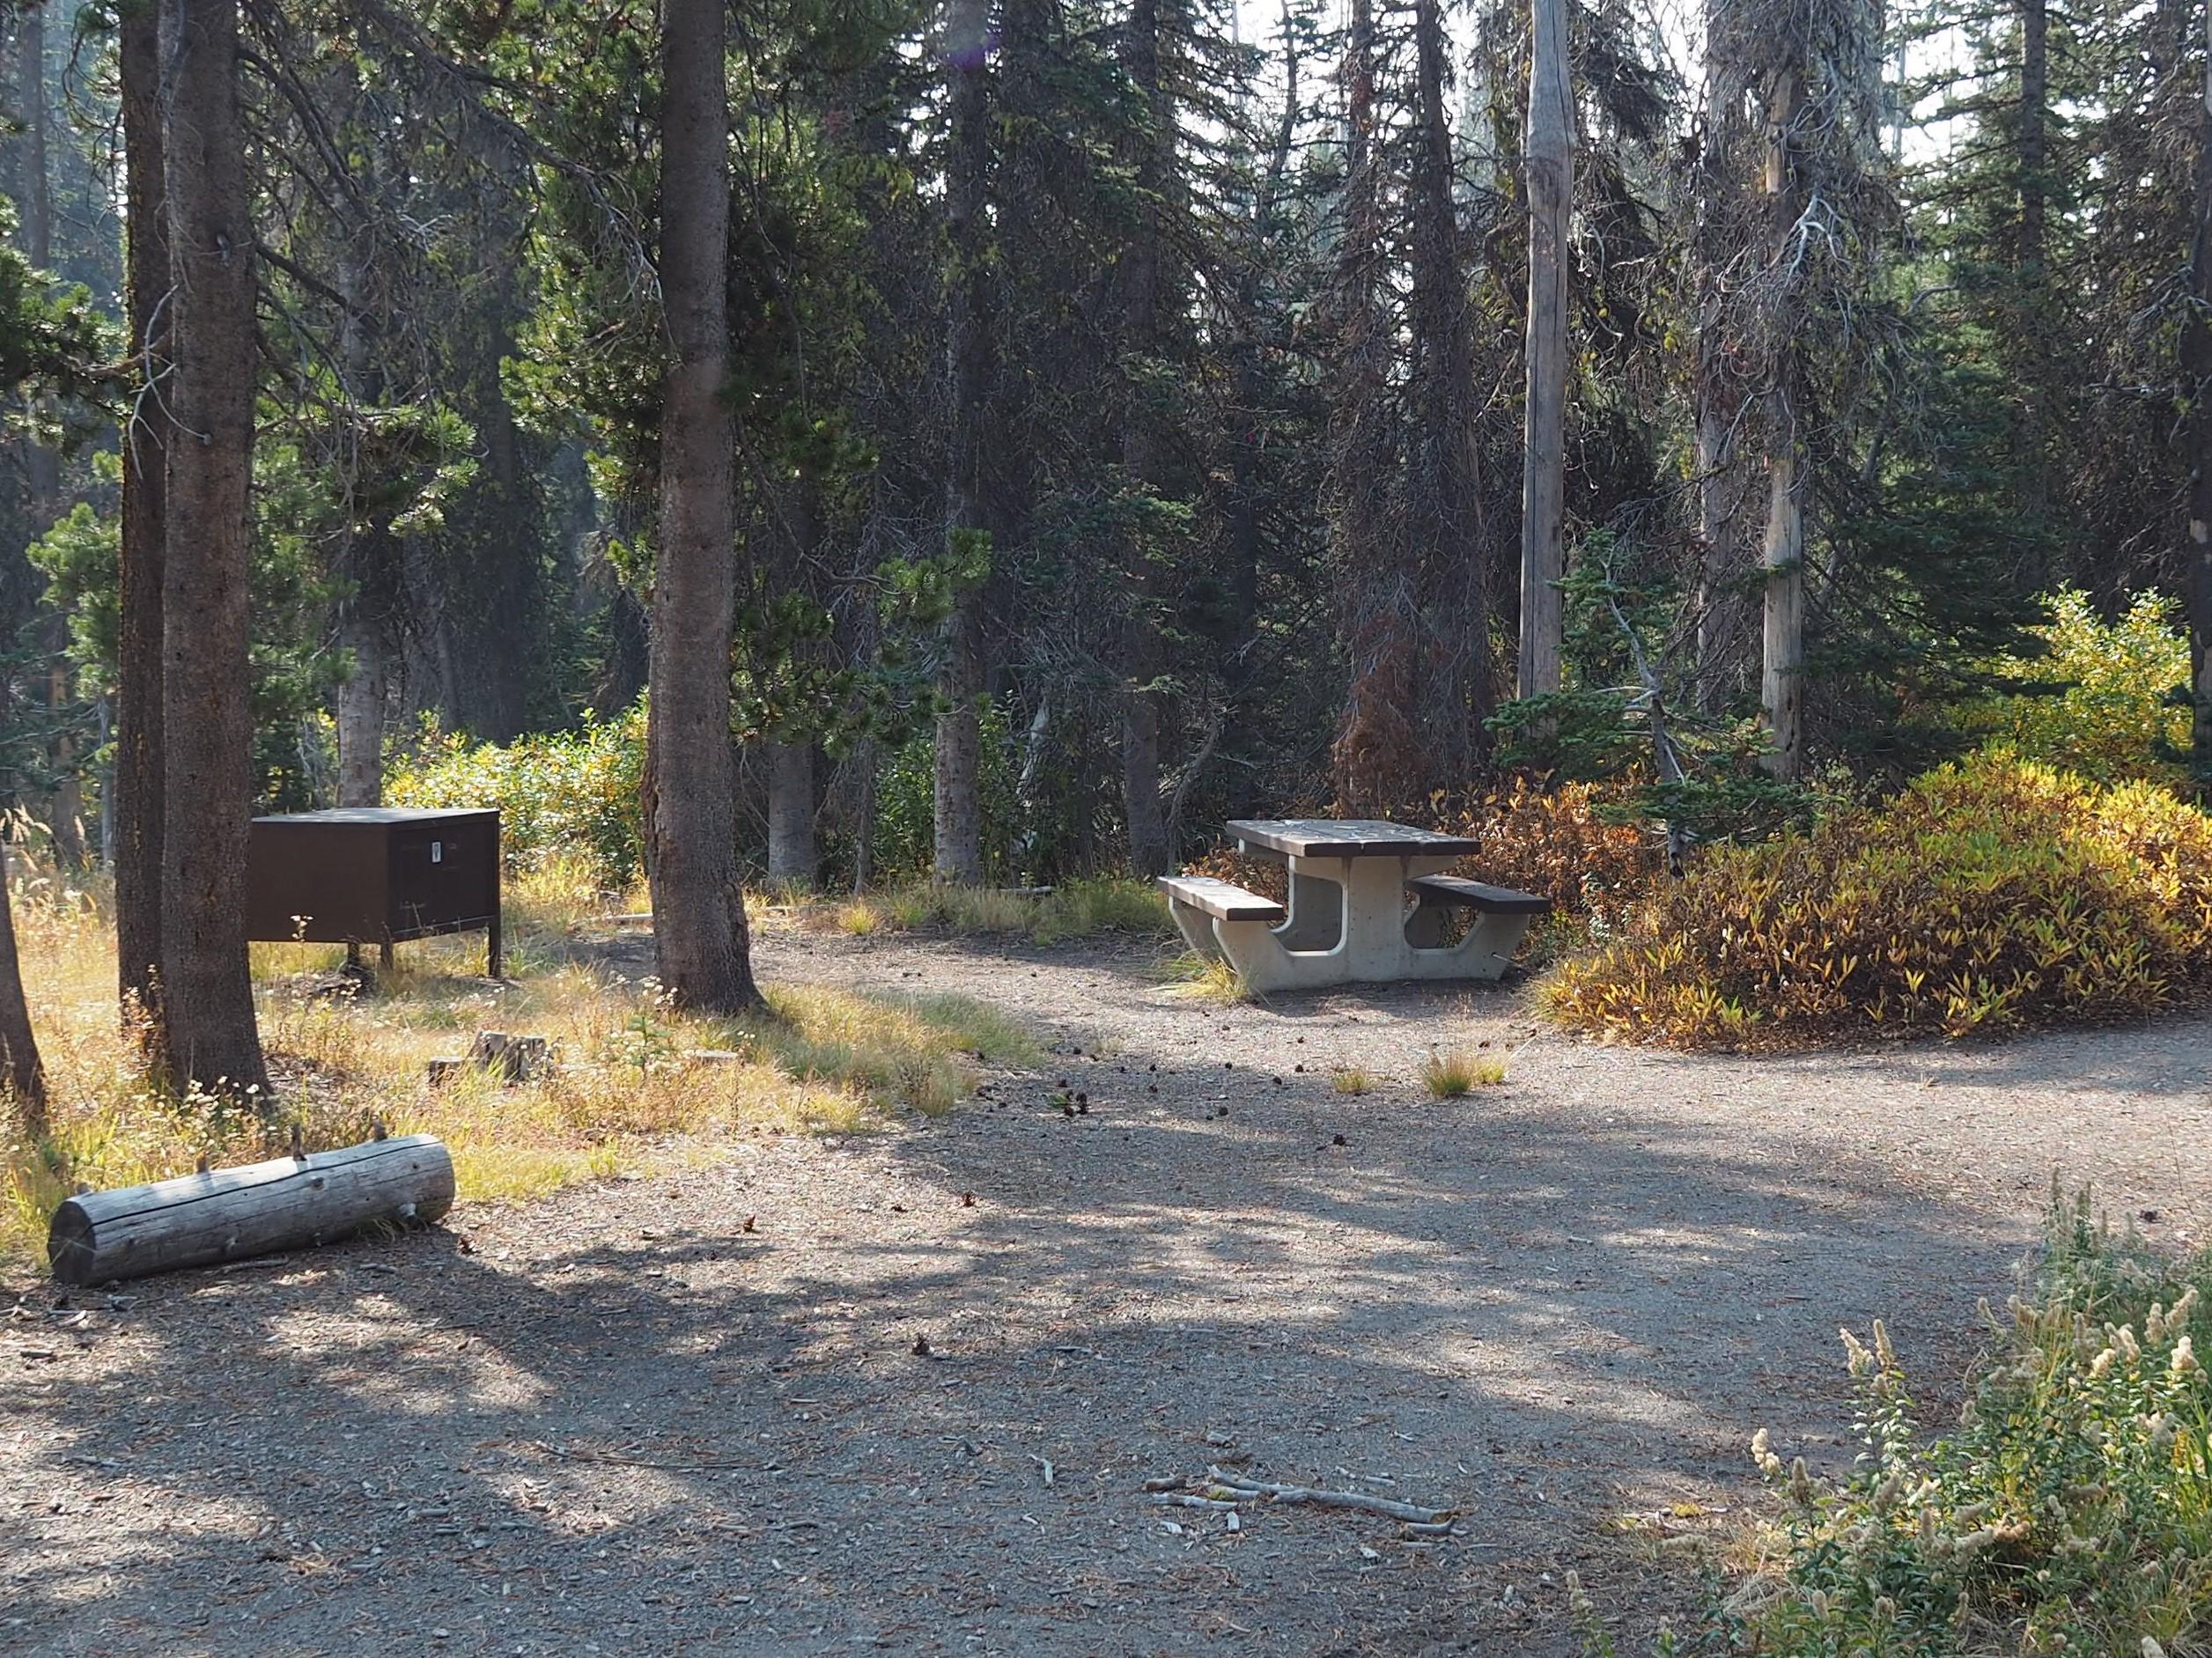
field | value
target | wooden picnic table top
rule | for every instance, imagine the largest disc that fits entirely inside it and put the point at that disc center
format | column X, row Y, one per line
column 1348, row 837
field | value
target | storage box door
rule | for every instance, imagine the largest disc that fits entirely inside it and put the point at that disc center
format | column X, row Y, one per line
column 460, row 870
column 414, row 901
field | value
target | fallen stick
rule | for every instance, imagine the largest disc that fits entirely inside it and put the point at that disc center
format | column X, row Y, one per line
column 1185, row 1499
column 1389, row 1507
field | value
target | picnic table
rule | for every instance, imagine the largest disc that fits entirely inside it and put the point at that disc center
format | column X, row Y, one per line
column 1348, row 920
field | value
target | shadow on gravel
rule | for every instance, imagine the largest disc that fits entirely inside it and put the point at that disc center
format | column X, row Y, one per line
column 713, row 1439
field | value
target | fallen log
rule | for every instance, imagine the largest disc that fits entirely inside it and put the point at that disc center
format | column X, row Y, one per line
column 228, row 1214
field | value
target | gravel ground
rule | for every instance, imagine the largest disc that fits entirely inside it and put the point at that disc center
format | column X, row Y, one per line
column 687, row 1414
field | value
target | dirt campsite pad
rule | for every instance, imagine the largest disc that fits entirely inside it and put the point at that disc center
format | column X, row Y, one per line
column 905, row 1391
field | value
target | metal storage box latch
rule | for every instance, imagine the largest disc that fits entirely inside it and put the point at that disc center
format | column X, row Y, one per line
column 438, row 852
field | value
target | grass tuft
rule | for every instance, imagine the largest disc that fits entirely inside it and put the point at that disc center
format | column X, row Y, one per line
column 1457, row 1073
column 1350, row 1079
column 1208, row 978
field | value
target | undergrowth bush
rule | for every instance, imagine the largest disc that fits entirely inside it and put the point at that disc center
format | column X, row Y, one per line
column 1559, row 842
column 2070, row 1512
column 1991, row 893
column 570, row 795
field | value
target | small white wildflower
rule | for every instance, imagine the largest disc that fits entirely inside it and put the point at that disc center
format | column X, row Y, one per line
column 1885, row 1354
column 1855, row 1353
column 2124, row 1339
column 2184, row 1362
column 1974, row 1542
column 2102, row 1363
column 2155, row 1323
column 2152, row 1649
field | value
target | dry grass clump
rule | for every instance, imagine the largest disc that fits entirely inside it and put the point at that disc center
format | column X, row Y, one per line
column 1207, row 978
column 1351, row 1079
column 1991, row 895
column 1454, row 1074
column 628, row 1091
column 2069, row 1511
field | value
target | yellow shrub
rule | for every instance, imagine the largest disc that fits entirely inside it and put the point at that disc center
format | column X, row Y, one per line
column 1991, row 893
column 2102, row 708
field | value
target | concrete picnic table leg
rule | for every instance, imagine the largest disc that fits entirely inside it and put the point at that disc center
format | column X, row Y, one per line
column 1196, row 927
column 1346, row 926
column 1484, row 951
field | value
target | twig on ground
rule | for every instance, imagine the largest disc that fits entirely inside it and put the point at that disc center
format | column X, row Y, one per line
column 1221, row 1490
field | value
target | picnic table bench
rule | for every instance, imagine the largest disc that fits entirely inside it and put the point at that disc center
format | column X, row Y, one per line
column 1348, row 920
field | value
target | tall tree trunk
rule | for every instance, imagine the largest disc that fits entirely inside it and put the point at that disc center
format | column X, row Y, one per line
column 1782, row 676
column 2035, row 121
column 1376, row 745
column 206, row 997
column 145, row 440
column 1240, row 732
column 1443, row 484
column 42, row 462
column 370, row 555
column 2196, row 376
column 361, row 703
column 1544, row 475
column 1143, row 655
column 23, row 1073
column 959, row 756
column 793, row 854
column 698, row 905
column 1715, row 399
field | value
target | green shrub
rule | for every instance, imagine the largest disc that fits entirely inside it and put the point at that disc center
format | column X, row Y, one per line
column 573, row 795
column 2070, row 1512
column 2099, row 702
column 1992, row 893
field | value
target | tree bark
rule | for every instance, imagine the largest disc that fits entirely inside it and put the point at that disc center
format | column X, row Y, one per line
column 207, row 998
column 1715, row 399
column 361, row 701
column 1143, row 655
column 959, row 755
column 2196, row 375
column 25, row 1074
column 792, row 853
column 1443, row 482
column 2035, row 119
column 145, row 440
column 42, row 463
column 698, row 904
column 1782, row 676
column 1544, row 475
